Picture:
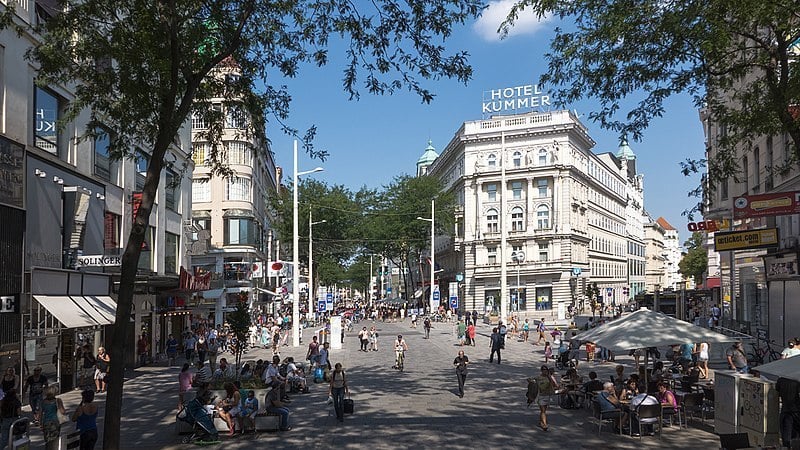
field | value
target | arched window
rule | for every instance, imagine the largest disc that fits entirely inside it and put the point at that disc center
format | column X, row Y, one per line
column 491, row 221
column 517, row 219
column 517, row 158
column 542, row 157
column 491, row 160
column 542, row 217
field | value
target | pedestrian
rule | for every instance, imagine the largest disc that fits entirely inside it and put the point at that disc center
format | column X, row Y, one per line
column 471, row 334
column 525, row 330
column 736, row 359
column 789, row 392
column 10, row 410
column 141, row 349
column 547, row 388
column 102, row 361
column 427, row 326
column 188, row 346
column 201, row 348
column 51, row 425
column 373, row 339
column 35, row 384
column 277, row 406
column 716, row 314
column 495, row 344
column 414, row 320
column 702, row 359
column 541, row 328
column 85, row 418
column 87, row 371
column 474, row 317
column 10, row 380
column 363, row 337
column 185, row 378
column 461, row 331
column 548, row 352
column 172, row 350
column 312, row 355
column 460, row 363
column 338, row 389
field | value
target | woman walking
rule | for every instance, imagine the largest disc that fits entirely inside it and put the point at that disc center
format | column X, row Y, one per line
column 184, row 383
column 547, row 388
column 10, row 410
column 51, row 426
column 702, row 360
column 460, row 363
column 85, row 418
column 337, row 390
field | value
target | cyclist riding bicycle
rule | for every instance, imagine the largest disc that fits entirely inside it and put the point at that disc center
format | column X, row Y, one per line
column 400, row 347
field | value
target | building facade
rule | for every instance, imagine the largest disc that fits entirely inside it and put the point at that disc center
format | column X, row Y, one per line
column 529, row 184
column 634, row 221
column 230, row 219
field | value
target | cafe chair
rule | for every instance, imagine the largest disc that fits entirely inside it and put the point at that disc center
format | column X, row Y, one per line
column 604, row 417
column 734, row 441
column 708, row 402
column 691, row 405
column 648, row 415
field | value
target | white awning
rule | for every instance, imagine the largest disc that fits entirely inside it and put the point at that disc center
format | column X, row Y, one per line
column 106, row 305
column 86, row 305
column 66, row 311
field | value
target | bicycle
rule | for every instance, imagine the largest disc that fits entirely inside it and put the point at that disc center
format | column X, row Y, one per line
column 398, row 362
column 761, row 355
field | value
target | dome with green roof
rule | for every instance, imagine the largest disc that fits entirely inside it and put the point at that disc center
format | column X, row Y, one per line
column 625, row 151
column 429, row 156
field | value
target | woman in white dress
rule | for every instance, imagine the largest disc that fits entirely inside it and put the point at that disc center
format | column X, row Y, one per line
column 702, row 360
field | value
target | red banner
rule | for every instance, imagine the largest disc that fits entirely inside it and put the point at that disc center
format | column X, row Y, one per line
column 196, row 282
column 764, row 205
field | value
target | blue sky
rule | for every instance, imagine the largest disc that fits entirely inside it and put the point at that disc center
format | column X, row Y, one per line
column 378, row 137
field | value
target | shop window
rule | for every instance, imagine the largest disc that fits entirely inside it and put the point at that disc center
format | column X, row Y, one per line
column 544, row 298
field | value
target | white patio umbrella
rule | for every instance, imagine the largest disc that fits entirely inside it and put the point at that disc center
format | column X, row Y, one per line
column 645, row 328
column 786, row 368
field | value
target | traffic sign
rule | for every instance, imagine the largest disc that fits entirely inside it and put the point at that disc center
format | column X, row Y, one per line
column 388, row 289
column 454, row 302
column 321, row 306
column 436, row 295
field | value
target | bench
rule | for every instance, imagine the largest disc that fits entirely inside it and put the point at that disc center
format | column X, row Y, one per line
column 267, row 421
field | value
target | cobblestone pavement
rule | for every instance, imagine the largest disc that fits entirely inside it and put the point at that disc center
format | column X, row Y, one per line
column 416, row 408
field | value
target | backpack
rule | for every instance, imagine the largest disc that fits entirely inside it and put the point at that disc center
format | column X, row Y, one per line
column 533, row 391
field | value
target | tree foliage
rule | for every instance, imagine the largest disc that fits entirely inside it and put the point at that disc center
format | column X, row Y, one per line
column 141, row 67
column 239, row 321
column 738, row 60
column 694, row 263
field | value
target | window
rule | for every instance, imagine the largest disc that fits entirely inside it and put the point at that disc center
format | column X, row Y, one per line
column 516, row 190
column 171, row 253
column 238, row 153
column 544, row 251
column 111, row 231
column 515, row 249
column 491, row 160
column 198, row 123
column 104, row 167
column 491, row 190
column 491, row 221
column 201, row 224
column 491, row 255
column 142, row 160
column 542, row 157
column 542, row 217
column 47, row 112
column 517, row 158
column 240, row 231
column 517, row 219
column 723, row 189
column 199, row 153
column 171, row 190
column 745, row 174
column 146, row 258
column 768, row 181
column 541, row 185
column 756, row 169
column 543, row 298
column 238, row 188
column 235, row 118
column 201, row 190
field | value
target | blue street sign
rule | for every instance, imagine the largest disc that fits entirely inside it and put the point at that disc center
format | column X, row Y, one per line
column 389, row 290
column 329, row 297
column 454, row 302
column 436, row 295
column 576, row 271
column 321, row 306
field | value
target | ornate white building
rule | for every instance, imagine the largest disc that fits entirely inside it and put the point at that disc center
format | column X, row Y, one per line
column 529, row 183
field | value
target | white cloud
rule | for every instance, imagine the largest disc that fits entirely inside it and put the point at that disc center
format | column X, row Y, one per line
column 486, row 26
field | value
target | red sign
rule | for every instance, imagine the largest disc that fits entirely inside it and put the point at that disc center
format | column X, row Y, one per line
column 764, row 205
column 706, row 225
column 196, row 282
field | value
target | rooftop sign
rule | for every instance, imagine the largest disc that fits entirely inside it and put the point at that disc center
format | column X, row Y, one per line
column 519, row 98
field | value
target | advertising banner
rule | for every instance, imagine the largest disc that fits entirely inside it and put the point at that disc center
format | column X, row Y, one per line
column 740, row 240
column 763, row 205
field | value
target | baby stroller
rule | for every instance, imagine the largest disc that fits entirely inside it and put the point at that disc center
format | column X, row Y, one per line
column 203, row 429
column 563, row 361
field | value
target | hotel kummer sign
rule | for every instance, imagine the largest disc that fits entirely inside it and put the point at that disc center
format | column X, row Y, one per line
column 763, row 205
column 11, row 172
column 517, row 99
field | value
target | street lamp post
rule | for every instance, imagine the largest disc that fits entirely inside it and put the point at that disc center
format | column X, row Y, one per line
column 311, row 291
column 432, row 220
column 518, row 257
column 296, row 253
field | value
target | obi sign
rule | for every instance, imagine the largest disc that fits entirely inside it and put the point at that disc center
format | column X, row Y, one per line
column 518, row 98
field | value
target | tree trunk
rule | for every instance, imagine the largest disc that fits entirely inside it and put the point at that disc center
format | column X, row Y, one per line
column 120, row 344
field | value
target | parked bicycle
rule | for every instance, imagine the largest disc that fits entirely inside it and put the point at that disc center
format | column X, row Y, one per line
column 763, row 354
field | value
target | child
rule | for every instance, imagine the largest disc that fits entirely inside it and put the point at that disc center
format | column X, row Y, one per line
column 548, row 352
column 590, row 349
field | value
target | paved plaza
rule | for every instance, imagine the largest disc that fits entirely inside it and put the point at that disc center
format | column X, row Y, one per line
column 418, row 408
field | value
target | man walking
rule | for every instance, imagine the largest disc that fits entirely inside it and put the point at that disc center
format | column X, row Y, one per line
column 495, row 344
column 427, row 325
column 736, row 359
column 460, row 363
column 363, row 336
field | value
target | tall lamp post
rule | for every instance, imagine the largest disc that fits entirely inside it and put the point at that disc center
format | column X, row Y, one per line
column 296, row 253
column 311, row 291
column 432, row 220
column 519, row 258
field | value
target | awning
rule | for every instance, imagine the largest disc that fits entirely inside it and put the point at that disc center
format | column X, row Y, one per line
column 266, row 291
column 104, row 305
column 66, row 311
column 86, row 305
column 212, row 294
